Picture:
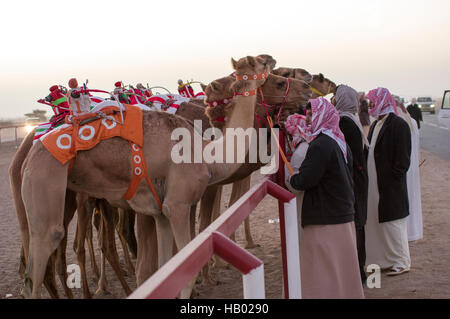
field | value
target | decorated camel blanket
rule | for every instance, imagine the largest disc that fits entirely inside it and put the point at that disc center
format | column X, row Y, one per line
column 66, row 140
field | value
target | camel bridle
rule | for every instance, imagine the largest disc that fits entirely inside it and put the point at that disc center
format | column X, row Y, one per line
column 250, row 77
column 320, row 94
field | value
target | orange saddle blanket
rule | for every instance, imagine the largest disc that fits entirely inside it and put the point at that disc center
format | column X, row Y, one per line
column 63, row 143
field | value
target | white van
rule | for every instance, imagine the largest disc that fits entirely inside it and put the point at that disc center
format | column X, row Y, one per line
column 444, row 114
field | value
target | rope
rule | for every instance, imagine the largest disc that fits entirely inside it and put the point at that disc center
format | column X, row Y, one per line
column 270, row 122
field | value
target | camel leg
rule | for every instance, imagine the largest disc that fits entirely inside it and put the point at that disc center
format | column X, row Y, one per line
column 84, row 218
column 130, row 237
column 122, row 231
column 45, row 212
column 147, row 248
column 239, row 189
column 15, row 179
column 178, row 215
column 122, row 228
column 90, row 243
column 50, row 278
column 102, row 289
column 108, row 242
column 209, row 211
column 165, row 239
column 61, row 263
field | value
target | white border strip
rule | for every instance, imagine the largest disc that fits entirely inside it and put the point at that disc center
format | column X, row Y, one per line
column 292, row 249
column 253, row 282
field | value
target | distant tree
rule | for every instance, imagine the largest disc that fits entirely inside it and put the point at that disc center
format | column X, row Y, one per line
column 37, row 115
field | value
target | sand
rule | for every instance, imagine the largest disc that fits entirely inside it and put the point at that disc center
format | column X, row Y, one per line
column 429, row 277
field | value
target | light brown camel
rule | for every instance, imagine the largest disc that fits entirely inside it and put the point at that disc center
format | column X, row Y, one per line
column 274, row 90
column 84, row 230
column 180, row 186
column 58, row 259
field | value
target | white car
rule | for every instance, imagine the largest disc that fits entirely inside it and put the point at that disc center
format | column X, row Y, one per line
column 444, row 114
column 426, row 104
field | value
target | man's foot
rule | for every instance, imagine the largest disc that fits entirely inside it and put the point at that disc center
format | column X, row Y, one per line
column 395, row 271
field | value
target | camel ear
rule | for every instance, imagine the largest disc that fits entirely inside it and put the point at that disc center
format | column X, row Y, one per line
column 251, row 61
column 261, row 60
column 216, row 86
column 321, row 77
column 234, row 63
column 203, row 87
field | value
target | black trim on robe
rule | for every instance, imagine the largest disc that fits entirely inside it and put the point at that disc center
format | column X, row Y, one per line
column 327, row 181
column 392, row 160
column 354, row 140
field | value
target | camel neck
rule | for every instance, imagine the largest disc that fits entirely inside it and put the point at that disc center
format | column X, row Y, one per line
column 241, row 119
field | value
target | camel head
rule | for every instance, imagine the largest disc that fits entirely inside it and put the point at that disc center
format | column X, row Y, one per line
column 218, row 93
column 249, row 66
column 322, row 85
column 289, row 101
column 268, row 60
column 300, row 74
column 276, row 91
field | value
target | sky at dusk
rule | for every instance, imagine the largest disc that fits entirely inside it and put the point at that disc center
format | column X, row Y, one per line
column 401, row 45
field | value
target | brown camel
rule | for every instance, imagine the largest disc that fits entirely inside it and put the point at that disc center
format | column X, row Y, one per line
column 322, row 86
column 179, row 185
column 83, row 231
column 296, row 73
column 274, row 90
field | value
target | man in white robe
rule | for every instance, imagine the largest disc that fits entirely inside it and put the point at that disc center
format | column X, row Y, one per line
column 388, row 206
column 414, row 220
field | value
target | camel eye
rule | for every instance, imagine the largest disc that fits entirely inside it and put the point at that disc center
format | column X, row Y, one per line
column 280, row 85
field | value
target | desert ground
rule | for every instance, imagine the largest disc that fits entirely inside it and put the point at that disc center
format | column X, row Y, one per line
column 429, row 276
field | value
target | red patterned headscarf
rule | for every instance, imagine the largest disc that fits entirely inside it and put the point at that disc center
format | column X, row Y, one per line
column 383, row 100
column 296, row 126
column 325, row 119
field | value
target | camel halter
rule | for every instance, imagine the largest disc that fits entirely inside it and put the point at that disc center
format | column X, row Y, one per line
column 320, row 94
column 270, row 122
column 250, row 77
column 220, row 102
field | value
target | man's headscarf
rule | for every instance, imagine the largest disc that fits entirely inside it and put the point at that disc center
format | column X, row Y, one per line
column 383, row 100
column 325, row 119
column 347, row 104
column 296, row 126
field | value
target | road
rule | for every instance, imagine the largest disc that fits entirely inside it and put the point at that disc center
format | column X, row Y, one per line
column 435, row 136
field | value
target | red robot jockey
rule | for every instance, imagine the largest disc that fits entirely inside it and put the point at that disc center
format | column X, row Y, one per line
column 146, row 93
column 185, row 90
column 120, row 93
column 58, row 100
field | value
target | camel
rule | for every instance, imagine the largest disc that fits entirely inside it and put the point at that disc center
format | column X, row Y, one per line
column 320, row 85
column 296, row 73
column 274, row 90
column 84, row 208
column 179, row 185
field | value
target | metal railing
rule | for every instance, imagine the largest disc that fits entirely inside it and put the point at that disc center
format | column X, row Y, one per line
column 14, row 133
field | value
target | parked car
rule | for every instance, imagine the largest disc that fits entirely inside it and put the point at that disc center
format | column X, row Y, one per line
column 444, row 113
column 426, row 104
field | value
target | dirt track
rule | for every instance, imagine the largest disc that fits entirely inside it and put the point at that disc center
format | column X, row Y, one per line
column 429, row 277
